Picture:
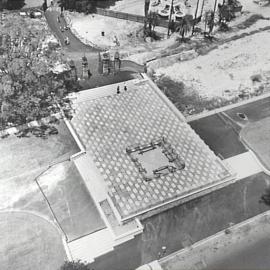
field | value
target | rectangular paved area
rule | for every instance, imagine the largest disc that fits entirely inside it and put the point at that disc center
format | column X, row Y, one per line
column 109, row 124
column 219, row 136
column 70, row 201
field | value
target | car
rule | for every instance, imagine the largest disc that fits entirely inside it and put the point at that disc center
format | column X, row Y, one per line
column 62, row 29
column 165, row 12
column 23, row 14
column 66, row 27
column 179, row 11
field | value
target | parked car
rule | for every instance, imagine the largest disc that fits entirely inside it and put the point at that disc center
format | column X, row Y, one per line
column 35, row 14
column 165, row 12
column 23, row 14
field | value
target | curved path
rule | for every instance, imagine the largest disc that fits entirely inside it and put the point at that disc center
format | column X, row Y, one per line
column 76, row 46
column 29, row 242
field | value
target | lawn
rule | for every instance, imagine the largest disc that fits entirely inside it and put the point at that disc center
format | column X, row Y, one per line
column 29, row 242
column 23, row 155
column 76, row 210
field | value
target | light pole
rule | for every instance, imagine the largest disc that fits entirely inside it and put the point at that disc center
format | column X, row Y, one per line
column 170, row 18
column 195, row 17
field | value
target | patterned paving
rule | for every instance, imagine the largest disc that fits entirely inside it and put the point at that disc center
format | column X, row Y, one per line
column 107, row 125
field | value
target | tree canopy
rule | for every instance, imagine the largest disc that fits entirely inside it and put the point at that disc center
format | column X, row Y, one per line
column 29, row 90
column 78, row 265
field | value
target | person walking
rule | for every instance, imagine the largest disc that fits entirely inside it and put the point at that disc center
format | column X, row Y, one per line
column 118, row 90
column 89, row 73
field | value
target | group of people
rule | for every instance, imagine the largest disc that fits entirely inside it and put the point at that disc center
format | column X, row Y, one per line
column 62, row 29
column 118, row 89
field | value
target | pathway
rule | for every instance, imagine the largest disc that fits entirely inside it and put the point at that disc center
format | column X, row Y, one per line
column 76, row 49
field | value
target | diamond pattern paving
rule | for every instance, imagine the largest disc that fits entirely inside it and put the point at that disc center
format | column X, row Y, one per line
column 107, row 125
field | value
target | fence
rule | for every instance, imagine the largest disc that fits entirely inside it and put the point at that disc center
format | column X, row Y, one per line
column 128, row 16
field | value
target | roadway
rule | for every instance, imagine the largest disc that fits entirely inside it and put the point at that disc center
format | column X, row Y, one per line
column 250, row 257
column 76, row 49
column 75, row 44
column 221, row 131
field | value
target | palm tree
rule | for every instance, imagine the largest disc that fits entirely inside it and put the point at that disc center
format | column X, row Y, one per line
column 209, row 17
column 62, row 4
column 150, row 23
column 184, row 26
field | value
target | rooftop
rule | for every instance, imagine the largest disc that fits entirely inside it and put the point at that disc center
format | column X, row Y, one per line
column 142, row 147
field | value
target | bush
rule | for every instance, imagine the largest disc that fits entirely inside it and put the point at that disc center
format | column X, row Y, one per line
column 78, row 265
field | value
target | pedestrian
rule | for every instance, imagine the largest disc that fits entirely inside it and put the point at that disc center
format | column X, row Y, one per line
column 125, row 88
column 58, row 19
column 118, row 89
column 89, row 73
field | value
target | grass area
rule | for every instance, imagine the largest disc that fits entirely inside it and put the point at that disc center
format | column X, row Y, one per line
column 29, row 242
column 76, row 211
column 256, row 136
column 188, row 101
column 22, row 155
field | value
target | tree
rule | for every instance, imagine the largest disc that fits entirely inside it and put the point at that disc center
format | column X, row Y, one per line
column 150, row 24
column 78, row 265
column 184, row 26
column 209, row 18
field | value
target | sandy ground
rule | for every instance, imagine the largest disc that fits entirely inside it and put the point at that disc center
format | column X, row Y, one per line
column 90, row 27
column 227, row 68
column 221, row 246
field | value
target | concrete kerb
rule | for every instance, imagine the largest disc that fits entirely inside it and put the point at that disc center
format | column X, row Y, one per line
column 53, row 223
column 232, row 228
column 77, row 140
column 225, row 108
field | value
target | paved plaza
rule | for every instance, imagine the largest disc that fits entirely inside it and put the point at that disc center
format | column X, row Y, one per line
column 108, row 123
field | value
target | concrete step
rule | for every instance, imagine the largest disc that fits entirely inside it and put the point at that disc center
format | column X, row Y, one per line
column 91, row 246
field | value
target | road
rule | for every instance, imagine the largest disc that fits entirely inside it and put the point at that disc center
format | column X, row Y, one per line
column 75, row 44
column 219, row 135
column 221, row 131
column 251, row 257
